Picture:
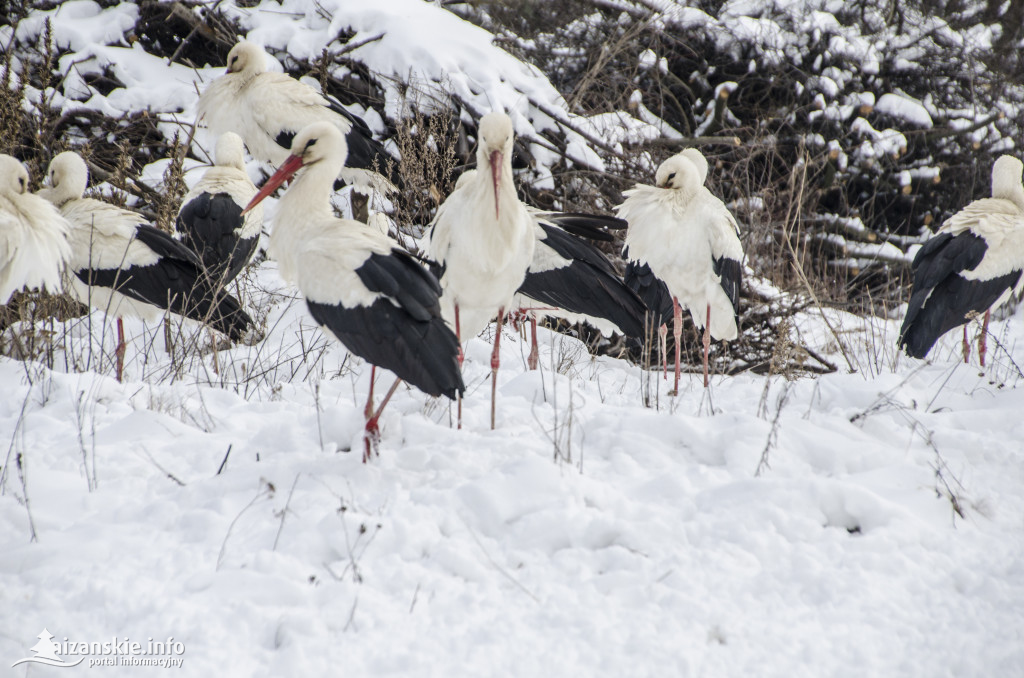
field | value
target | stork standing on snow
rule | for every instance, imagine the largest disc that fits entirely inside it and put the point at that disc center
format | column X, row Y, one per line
column 123, row 265
column 483, row 238
column 210, row 220
column 358, row 284
column 691, row 242
column 570, row 278
column 33, row 235
column 268, row 110
column 972, row 265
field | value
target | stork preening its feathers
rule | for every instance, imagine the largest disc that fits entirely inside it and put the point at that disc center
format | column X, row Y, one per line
column 33, row 235
column 690, row 242
column 971, row 266
column 210, row 220
column 374, row 297
column 483, row 239
column 268, row 109
column 124, row 266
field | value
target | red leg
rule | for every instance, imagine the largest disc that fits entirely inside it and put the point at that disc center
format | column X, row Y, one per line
column 462, row 356
column 119, row 351
column 496, row 362
column 707, row 345
column 983, row 341
column 677, row 334
column 967, row 347
column 663, row 346
column 368, row 414
column 371, row 435
column 534, row 357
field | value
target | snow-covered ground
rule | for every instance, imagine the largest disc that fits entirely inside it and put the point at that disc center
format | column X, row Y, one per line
column 863, row 523
column 588, row 535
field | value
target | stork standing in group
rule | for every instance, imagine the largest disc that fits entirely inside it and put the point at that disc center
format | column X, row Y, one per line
column 373, row 296
column 570, row 278
column 267, row 110
column 650, row 288
column 210, row 220
column 483, row 238
column 33, row 235
column 691, row 242
column 125, row 266
column 972, row 265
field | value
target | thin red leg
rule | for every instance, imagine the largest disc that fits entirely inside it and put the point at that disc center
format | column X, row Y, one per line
column 458, row 338
column 119, row 351
column 967, row 347
column 983, row 341
column 663, row 346
column 677, row 334
column 707, row 345
column 534, row 357
column 368, row 414
column 496, row 362
column 372, row 433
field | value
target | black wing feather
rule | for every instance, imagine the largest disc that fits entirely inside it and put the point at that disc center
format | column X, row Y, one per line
column 730, row 272
column 401, row 331
column 942, row 298
column 208, row 225
column 589, row 285
column 175, row 283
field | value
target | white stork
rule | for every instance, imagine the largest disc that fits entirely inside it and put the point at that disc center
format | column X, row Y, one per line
column 570, row 278
column 123, row 265
column 268, row 109
column 691, row 242
column 374, row 297
column 210, row 220
column 33, row 235
column 483, row 239
column 971, row 266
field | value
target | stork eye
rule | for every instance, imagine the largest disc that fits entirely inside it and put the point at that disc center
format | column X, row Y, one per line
column 310, row 143
column 672, row 176
column 21, row 182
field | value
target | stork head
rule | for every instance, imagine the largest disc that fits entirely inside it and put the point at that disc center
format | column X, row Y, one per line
column 230, row 151
column 13, row 175
column 66, row 178
column 1006, row 179
column 319, row 144
column 494, row 148
column 248, row 58
column 699, row 161
column 679, row 173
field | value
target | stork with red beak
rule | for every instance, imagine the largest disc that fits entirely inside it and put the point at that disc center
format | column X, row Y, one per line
column 358, row 284
column 483, row 239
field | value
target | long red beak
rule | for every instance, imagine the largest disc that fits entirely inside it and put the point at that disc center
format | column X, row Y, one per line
column 285, row 172
column 496, row 158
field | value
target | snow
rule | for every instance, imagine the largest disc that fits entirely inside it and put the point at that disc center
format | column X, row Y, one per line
column 905, row 108
column 606, row 537
column 224, row 503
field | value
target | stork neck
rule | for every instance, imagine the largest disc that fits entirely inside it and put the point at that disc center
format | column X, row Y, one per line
column 1012, row 191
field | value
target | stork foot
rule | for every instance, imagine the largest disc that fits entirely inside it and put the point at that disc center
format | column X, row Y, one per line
column 371, row 439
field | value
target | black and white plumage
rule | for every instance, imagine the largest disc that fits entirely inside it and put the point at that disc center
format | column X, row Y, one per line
column 210, row 220
column 123, row 265
column 268, row 109
column 576, row 281
column 359, row 285
column 691, row 242
column 33, row 235
column 972, row 265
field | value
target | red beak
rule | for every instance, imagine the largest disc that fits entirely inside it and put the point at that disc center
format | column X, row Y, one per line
column 285, row 172
column 496, row 158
